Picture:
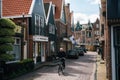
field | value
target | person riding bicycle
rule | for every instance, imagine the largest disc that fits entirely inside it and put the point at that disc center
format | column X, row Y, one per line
column 62, row 55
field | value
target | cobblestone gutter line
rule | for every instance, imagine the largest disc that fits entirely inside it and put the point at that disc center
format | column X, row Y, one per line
column 94, row 73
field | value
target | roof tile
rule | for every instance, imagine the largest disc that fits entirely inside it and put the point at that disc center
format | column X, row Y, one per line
column 16, row 7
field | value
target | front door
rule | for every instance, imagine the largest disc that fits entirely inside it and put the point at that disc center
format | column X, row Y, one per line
column 116, row 39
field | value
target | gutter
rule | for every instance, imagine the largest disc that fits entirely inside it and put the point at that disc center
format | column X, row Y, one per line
column 94, row 73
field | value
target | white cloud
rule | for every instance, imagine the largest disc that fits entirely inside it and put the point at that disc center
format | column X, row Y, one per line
column 94, row 1
column 83, row 18
column 67, row 1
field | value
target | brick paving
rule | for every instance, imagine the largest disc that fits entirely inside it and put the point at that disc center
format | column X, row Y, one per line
column 76, row 69
column 101, row 69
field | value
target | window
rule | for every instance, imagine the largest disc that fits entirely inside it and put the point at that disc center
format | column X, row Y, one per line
column 102, row 30
column 16, row 49
column 89, row 34
column 97, row 26
column 51, row 29
column 39, row 24
column 41, row 21
column 52, row 47
column 17, row 41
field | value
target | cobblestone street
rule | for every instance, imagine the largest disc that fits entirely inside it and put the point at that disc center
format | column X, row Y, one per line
column 76, row 69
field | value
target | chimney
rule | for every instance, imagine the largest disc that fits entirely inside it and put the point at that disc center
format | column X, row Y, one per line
column 0, row 8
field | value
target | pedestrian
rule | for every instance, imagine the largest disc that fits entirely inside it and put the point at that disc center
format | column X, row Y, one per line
column 101, row 53
column 62, row 56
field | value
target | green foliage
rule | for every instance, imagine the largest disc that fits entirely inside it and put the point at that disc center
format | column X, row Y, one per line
column 6, row 57
column 26, row 60
column 16, row 69
column 6, row 32
column 7, row 23
column 6, row 38
column 17, row 29
column 5, row 47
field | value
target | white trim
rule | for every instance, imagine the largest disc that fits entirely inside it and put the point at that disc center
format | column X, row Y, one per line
column 19, row 16
column 32, row 6
column 66, row 39
column 48, row 14
column 43, row 10
column 113, row 56
column 61, row 9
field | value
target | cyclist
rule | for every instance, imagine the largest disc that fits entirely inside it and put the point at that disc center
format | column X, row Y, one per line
column 62, row 55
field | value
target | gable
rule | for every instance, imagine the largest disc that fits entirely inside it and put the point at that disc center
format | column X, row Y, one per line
column 49, row 13
column 39, row 8
column 63, row 16
column 46, row 7
column 58, row 7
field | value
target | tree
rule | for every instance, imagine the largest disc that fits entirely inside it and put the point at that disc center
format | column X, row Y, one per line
column 6, row 37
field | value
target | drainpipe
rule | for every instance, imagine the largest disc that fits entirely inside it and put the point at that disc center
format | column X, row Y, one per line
column 0, row 8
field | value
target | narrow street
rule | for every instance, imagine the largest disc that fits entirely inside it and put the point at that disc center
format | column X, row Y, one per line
column 76, row 69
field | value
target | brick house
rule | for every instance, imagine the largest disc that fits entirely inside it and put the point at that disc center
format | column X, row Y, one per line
column 30, row 15
column 113, row 39
column 68, row 22
column 60, row 21
column 110, row 12
column 96, row 33
column 51, row 30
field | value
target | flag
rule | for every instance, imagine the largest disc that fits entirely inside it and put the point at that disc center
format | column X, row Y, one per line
column 72, row 39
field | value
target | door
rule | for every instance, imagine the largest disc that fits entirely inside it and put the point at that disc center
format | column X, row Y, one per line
column 116, row 37
column 42, row 51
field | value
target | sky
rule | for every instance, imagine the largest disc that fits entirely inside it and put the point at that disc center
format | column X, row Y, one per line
column 84, row 10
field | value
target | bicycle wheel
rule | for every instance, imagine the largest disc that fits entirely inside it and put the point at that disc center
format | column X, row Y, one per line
column 60, row 69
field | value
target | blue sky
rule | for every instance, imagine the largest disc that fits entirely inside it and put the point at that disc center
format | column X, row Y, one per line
column 84, row 10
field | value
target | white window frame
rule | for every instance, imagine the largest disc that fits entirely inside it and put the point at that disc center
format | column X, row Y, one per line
column 40, row 23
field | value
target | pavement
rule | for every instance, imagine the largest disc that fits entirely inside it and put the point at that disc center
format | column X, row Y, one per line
column 100, row 69
column 98, row 73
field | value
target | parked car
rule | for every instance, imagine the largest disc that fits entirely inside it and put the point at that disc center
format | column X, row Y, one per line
column 72, row 54
column 80, row 51
column 84, row 49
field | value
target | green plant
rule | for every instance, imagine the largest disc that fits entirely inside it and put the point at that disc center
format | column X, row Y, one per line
column 6, row 38
column 26, row 60
column 6, row 57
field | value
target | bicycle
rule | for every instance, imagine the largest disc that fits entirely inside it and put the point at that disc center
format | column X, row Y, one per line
column 60, row 67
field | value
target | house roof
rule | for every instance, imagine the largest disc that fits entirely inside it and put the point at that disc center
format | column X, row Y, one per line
column 16, row 7
column 58, row 7
column 46, row 6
